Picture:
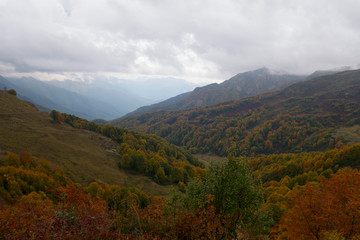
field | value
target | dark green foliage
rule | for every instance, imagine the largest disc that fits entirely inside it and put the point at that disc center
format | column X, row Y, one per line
column 12, row 92
column 54, row 115
column 100, row 121
column 235, row 193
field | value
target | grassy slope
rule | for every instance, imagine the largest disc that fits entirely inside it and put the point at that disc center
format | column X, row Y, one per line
column 351, row 134
column 209, row 158
column 84, row 155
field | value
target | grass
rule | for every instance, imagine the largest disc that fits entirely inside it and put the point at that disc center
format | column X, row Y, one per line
column 84, row 155
column 209, row 158
column 351, row 134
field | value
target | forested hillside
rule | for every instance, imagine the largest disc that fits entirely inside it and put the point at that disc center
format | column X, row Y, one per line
column 302, row 117
column 104, row 154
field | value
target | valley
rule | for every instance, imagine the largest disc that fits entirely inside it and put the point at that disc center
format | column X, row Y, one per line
column 258, row 163
column 179, row 120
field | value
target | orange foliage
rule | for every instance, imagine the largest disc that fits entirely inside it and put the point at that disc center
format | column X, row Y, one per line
column 29, row 218
column 73, row 215
column 332, row 205
column 170, row 223
column 26, row 158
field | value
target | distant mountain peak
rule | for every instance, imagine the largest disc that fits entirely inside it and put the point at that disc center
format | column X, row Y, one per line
column 265, row 71
column 341, row 69
column 278, row 72
column 320, row 73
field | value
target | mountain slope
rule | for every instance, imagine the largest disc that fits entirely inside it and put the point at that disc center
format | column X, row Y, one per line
column 302, row 117
column 85, row 155
column 52, row 97
column 240, row 86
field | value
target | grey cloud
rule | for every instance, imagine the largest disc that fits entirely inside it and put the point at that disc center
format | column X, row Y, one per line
column 194, row 39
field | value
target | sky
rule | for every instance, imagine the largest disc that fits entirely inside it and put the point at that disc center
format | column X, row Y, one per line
column 197, row 40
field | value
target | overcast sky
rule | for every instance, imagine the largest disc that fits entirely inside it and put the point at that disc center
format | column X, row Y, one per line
column 198, row 40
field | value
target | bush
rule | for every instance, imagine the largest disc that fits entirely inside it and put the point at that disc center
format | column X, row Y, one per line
column 56, row 116
column 12, row 92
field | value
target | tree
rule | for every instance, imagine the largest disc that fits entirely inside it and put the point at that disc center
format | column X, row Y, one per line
column 56, row 116
column 160, row 176
column 26, row 158
column 235, row 192
column 12, row 159
column 177, row 175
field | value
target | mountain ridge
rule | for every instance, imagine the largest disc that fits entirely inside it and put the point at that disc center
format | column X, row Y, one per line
column 242, row 85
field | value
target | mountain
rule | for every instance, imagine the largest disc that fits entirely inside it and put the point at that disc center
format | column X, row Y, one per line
column 240, row 86
column 52, row 97
column 302, row 117
column 91, row 152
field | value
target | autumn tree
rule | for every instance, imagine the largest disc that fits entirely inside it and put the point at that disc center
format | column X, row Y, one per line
column 12, row 159
column 56, row 116
column 331, row 206
column 26, row 158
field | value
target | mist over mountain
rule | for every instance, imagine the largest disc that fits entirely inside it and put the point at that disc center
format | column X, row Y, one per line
column 108, row 92
column 242, row 85
column 126, row 94
column 52, row 97
column 320, row 73
column 96, row 98
column 100, row 97
column 158, row 89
